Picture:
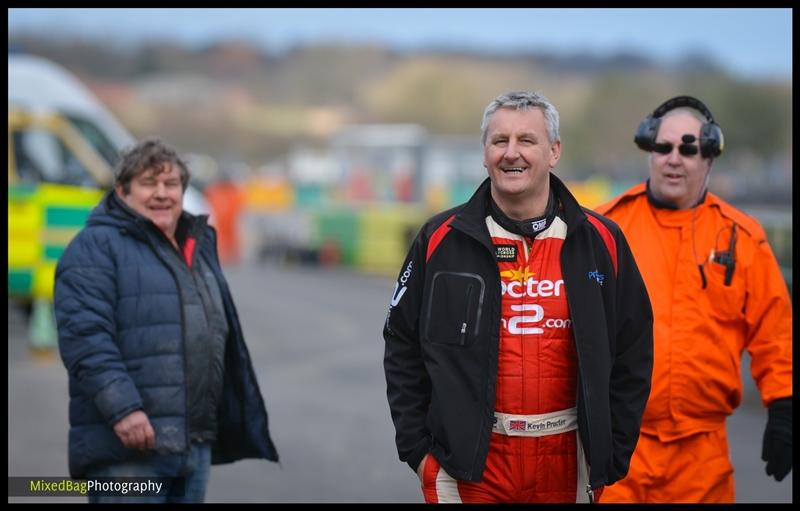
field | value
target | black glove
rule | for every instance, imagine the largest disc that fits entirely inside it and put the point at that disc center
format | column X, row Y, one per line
column 777, row 447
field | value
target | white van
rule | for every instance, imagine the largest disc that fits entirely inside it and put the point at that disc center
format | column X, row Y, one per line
column 62, row 146
column 41, row 87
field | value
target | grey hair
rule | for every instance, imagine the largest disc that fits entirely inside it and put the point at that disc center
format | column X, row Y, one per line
column 522, row 100
column 150, row 153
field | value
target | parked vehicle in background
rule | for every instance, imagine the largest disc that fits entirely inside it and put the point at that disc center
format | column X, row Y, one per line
column 62, row 147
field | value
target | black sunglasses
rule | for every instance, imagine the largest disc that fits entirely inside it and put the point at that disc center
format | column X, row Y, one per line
column 686, row 148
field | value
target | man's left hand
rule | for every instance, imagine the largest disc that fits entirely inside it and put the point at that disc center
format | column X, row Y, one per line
column 777, row 446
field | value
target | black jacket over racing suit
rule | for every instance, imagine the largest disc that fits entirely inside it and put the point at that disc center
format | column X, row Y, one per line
column 441, row 375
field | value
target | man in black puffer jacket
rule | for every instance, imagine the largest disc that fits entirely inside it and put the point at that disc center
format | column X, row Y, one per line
column 160, row 379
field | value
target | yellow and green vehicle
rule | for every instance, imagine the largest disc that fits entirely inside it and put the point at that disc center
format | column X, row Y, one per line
column 48, row 200
column 62, row 146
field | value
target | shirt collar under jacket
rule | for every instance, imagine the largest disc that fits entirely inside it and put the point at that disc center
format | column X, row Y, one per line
column 529, row 227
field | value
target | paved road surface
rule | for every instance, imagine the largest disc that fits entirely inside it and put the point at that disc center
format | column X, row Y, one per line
column 315, row 339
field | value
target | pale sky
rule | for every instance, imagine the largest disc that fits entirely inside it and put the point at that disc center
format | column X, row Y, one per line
column 750, row 43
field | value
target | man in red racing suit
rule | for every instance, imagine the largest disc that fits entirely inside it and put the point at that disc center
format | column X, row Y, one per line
column 518, row 352
column 535, row 420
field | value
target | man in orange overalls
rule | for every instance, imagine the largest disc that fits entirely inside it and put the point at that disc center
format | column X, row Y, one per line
column 226, row 201
column 716, row 289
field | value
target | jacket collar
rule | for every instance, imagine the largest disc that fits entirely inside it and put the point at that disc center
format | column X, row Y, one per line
column 114, row 212
column 472, row 217
column 659, row 204
column 528, row 227
column 572, row 210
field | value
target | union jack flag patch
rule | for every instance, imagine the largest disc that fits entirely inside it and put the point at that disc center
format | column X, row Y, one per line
column 516, row 425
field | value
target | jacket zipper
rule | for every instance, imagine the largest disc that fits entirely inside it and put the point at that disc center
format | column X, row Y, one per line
column 196, row 271
column 489, row 250
column 466, row 312
column 200, row 281
column 183, row 337
column 586, row 410
column 527, row 245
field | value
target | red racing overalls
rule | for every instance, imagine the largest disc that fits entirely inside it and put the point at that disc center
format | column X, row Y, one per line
column 534, row 453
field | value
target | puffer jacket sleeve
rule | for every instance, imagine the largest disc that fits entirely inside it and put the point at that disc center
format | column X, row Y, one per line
column 633, row 363
column 85, row 304
column 407, row 381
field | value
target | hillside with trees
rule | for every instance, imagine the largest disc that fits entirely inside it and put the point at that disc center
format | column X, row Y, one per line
column 233, row 100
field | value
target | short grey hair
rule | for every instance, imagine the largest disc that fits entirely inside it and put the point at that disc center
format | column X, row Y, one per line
column 150, row 153
column 522, row 100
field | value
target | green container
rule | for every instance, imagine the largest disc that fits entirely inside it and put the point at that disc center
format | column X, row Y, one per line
column 340, row 227
column 20, row 282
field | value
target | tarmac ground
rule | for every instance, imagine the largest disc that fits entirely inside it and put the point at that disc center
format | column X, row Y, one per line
column 315, row 339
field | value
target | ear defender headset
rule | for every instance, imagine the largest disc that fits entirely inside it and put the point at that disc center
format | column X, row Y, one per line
column 711, row 139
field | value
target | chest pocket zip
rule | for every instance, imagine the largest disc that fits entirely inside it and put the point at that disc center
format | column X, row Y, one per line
column 466, row 314
column 450, row 317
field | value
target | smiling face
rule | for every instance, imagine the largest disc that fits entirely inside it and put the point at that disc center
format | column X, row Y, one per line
column 518, row 156
column 157, row 194
column 676, row 179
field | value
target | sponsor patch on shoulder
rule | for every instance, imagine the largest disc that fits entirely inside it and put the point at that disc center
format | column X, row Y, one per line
column 505, row 252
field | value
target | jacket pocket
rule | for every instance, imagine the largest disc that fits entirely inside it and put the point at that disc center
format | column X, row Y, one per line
column 725, row 302
column 453, row 312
